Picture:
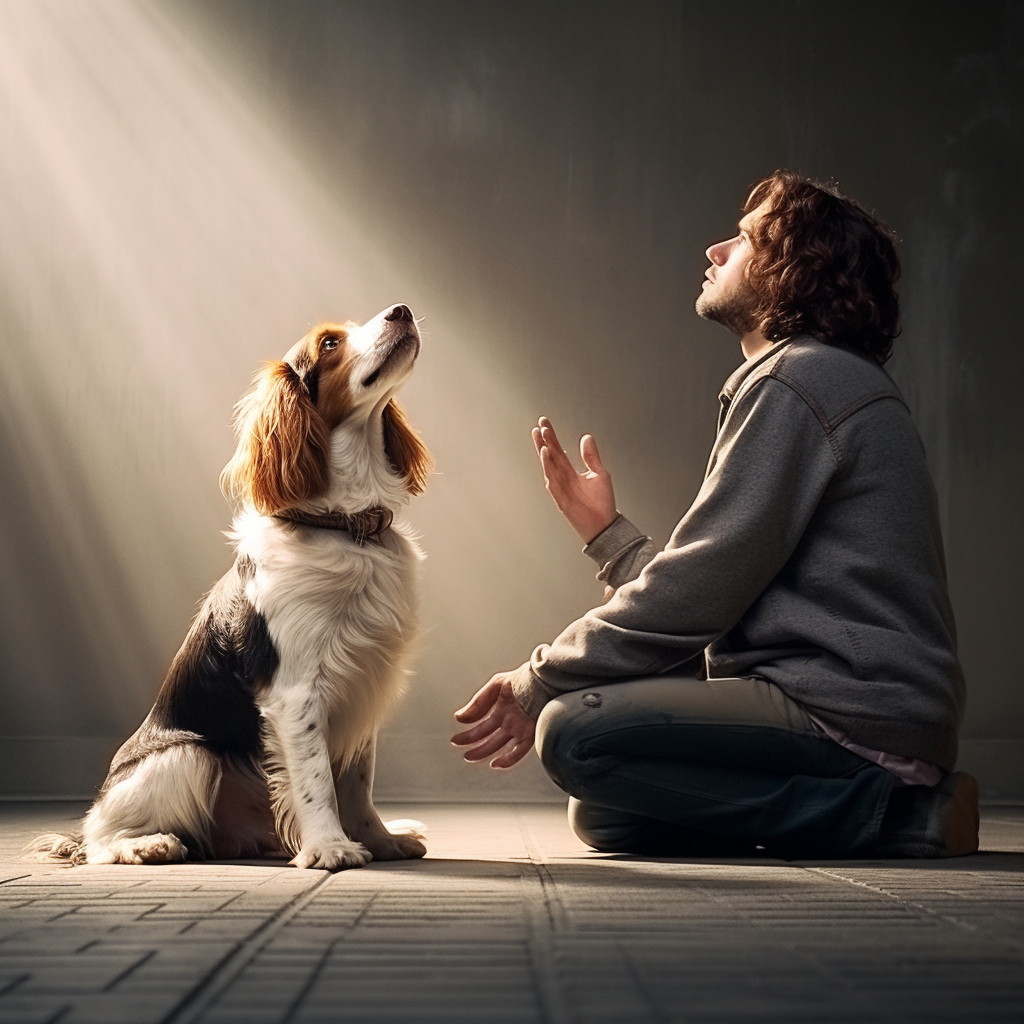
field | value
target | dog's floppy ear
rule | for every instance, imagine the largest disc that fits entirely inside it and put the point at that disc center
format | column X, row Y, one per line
column 283, row 443
column 405, row 448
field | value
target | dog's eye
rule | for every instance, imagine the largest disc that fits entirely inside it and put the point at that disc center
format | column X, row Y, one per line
column 330, row 343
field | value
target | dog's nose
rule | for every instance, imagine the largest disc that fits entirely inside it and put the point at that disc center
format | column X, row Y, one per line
column 399, row 312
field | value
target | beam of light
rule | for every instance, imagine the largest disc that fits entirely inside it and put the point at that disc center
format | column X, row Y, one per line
column 156, row 245
column 159, row 242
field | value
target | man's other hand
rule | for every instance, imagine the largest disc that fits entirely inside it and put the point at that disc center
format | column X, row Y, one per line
column 500, row 723
column 585, row 499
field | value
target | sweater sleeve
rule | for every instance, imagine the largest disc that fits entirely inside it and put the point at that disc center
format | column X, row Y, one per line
column 768, row 471
column 621, row 550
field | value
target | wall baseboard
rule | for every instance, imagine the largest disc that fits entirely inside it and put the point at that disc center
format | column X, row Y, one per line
column 411, row 767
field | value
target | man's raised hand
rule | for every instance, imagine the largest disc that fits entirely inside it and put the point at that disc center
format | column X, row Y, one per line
column 586, row 499
column 500, row 722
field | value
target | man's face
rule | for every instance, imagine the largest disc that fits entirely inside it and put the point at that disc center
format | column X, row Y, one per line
column 726, row 296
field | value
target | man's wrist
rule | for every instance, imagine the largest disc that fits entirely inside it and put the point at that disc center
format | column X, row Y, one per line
column 530, row 692
column 591, row 531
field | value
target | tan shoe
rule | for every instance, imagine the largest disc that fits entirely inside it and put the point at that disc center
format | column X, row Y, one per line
column 954, row 818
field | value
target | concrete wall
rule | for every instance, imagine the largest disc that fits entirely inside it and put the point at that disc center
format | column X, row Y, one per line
column 540, row 181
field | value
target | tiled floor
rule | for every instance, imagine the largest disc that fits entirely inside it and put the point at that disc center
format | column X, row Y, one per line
column 511, row 920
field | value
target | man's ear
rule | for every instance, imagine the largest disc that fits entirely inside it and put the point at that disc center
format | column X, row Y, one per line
column 405, row 448
column 283, row 444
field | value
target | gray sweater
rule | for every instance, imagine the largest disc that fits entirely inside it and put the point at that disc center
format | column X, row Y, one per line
column 811, row 557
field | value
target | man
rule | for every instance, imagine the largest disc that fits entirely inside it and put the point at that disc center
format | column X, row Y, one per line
column 783, row 675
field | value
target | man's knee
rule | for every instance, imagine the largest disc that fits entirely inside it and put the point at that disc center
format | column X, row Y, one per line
column 605, row 829
column 563, row 729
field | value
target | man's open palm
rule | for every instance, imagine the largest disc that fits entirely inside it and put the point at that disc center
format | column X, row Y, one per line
column 586, row 499
column 501, row 722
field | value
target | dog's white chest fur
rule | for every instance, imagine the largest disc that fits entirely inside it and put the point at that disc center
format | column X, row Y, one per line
column 341, row 617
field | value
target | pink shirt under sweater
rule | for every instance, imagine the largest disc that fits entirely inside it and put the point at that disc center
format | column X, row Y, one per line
column 911, row 771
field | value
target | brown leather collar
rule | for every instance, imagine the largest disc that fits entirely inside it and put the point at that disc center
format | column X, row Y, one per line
column 369, row 524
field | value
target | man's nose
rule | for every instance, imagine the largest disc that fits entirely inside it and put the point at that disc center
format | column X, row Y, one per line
column 717, row 253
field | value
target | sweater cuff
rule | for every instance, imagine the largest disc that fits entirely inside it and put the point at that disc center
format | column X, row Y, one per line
column 615, row 538
column 531, row 693
column 612, row 547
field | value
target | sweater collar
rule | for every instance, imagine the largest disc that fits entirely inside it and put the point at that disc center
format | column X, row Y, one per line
column 740, row 374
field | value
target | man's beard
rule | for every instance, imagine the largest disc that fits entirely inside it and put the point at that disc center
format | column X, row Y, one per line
column 734, row 311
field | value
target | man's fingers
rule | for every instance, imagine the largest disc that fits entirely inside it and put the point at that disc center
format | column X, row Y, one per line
column 559, row 460
column 538, row 441
column 482, row 702
column 590, row 455
column 477, row 733
column 559, row 477
column 550, row 438
column 514, row 756
column 556, row 466
column 554, row 463
column 545, row 463
column 506, row 731
column 490, row 746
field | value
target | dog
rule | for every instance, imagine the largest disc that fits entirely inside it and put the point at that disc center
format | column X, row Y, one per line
column 262, row 738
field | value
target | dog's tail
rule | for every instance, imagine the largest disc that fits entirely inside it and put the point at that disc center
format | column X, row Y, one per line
column 57, row 846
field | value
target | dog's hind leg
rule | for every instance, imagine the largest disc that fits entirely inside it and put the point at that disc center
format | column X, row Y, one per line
column 147, row 816
column 243, row 821
column 158, row 848
column 354, row 787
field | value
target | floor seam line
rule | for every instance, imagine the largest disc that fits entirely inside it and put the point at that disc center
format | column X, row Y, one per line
column 895, row 896
column 201, row 998
column 541, row 929
column 128, row 971
column 306, row 988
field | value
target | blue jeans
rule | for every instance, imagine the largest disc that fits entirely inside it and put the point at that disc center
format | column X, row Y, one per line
column 676, row 765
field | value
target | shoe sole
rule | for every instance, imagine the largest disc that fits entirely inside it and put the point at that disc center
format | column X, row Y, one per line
column 962, row 817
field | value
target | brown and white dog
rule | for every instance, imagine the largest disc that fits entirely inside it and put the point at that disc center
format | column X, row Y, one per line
column 263, row 733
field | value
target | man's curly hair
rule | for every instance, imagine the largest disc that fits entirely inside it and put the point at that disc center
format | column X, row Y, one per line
column 822, row 265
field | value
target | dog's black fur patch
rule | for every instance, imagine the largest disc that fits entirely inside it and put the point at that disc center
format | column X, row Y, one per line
column 207, row 697
column 226, row 657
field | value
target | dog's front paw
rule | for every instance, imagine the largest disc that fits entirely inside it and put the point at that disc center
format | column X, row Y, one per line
column 400, row 847
column 333, row 855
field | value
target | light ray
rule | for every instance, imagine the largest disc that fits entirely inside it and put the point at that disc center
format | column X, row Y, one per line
column 159, row 241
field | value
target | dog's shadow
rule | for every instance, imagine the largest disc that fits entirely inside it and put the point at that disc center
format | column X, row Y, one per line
column 612, row 869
